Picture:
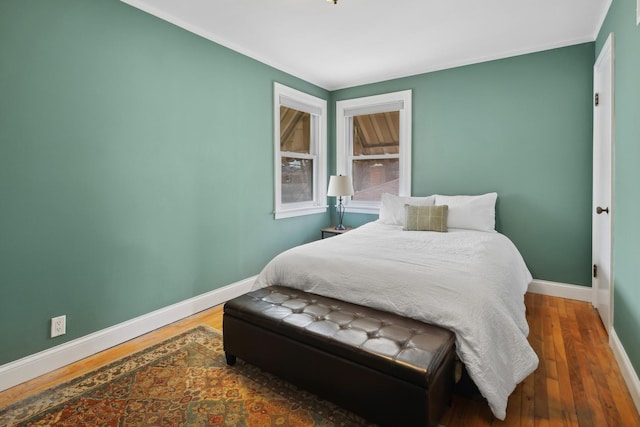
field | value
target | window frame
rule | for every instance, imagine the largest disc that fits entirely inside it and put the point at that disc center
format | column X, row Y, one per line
column 345, row 111
column 317, row 107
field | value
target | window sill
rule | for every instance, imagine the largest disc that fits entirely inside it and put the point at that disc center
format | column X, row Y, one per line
column 290, row 213
column 371, row 210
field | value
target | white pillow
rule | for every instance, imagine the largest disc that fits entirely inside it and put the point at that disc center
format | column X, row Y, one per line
column 470, row 212
column 392, row 207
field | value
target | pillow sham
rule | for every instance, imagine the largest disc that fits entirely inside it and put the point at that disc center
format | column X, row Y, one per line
column 425, row 218
column 392, row 207
column 470, row 212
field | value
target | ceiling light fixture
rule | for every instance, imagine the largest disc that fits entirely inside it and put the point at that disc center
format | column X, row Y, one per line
column 333, row 1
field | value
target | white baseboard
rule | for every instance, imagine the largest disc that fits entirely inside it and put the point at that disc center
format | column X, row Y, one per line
column 561, row 290
column 37, row 364
column 628, row 373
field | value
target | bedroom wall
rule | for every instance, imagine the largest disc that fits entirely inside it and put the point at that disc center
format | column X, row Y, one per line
column 521, row 126
column 621, row 20
column 136, row 168
column 136, row 162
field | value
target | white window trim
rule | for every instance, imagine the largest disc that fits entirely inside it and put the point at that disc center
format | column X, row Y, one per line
column 395, row 101
column 283, row 95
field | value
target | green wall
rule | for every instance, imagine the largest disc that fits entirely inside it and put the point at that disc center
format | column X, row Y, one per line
column 136, row 168
column 136, row 162
column 626, row 251
column 522, row 127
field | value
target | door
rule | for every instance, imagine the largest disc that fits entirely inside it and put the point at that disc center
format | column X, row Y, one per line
column 602, row 221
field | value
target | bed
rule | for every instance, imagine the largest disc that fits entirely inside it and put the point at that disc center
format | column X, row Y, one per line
column 470, row 280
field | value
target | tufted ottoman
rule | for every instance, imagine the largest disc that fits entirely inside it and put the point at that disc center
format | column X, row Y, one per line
column 389, row 369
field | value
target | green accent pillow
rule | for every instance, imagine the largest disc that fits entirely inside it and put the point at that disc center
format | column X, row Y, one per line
column 425, row 218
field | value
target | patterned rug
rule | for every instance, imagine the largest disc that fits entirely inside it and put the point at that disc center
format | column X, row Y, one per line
column 183, row 381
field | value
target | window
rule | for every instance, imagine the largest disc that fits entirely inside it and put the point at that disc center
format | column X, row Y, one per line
column 373, row 146
column 300, row 123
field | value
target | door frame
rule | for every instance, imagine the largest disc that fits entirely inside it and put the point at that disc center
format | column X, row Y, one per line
column 606, row 53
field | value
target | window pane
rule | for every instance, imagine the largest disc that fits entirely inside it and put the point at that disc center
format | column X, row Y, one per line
column 297, row 180
column 376, row 133
column 371, row 178
column 295, row 130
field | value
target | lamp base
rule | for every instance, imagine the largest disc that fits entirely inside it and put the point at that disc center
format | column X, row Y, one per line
column 340, row 209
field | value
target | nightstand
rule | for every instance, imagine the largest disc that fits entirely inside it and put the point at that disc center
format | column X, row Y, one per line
column 331, row 231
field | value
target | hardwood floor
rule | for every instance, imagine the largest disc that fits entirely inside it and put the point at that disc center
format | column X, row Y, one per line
column 577, row 383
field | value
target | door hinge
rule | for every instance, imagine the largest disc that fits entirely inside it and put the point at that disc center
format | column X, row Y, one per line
column 596, row 99
column 595, row 271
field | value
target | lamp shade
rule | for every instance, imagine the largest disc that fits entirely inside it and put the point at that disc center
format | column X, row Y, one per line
column 340, row 185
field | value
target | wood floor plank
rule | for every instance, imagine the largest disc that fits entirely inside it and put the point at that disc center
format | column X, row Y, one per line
column 574, row 349
column 578, row 382
column 541, row 398
column 567, row 404
column 615, row 384
column 554, row 404
column 513, row 414
column 527, row 418
column 594, row 336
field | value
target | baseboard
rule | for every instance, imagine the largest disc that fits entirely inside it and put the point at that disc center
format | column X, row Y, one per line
column 37, row 364
column 628, row 373
column 562, row 290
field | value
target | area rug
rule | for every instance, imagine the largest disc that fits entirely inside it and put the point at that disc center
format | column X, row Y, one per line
column 183, row 381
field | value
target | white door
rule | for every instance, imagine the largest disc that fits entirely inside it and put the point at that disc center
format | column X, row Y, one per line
column 602, row 281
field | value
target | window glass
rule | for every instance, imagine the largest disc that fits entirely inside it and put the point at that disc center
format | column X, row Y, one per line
column 376, row 133
column 295, row 130
column 371, row 178
column 297, row 180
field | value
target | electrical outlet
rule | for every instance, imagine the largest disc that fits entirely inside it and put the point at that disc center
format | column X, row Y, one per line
column 58, row 326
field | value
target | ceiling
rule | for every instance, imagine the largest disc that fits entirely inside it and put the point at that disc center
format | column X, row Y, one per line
column 363, row 41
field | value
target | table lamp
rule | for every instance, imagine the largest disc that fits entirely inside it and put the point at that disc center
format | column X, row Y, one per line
column 340, row 186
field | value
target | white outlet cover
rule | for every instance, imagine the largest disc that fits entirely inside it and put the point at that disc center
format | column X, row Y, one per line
column 58, row 326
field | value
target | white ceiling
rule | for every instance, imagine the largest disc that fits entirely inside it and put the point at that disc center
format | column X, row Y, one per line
column 364, row 41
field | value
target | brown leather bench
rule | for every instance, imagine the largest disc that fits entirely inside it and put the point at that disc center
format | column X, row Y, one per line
column 389, row 369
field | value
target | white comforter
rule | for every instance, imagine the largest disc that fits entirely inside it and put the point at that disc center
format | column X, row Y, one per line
column 470, row 282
